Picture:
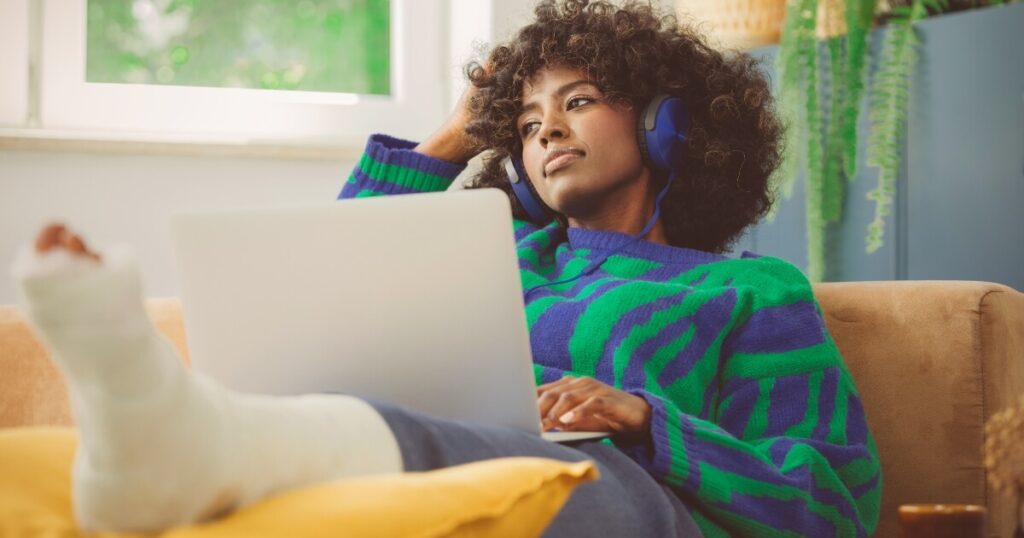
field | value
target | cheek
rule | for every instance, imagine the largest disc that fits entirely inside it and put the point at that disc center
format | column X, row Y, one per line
column 616, row 139
column 532, row 163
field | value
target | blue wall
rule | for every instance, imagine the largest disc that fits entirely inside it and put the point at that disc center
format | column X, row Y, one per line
column 959, row 207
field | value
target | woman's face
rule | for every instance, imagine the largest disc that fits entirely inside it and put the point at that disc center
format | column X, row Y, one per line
column 580, row 150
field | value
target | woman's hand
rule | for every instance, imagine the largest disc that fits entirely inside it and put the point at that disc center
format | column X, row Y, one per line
column 450, row 141
column 586, row 404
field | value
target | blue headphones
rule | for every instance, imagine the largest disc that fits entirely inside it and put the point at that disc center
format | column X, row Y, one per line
column 661, row 133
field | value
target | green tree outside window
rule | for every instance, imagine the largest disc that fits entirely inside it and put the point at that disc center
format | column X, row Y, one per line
column 308, row 45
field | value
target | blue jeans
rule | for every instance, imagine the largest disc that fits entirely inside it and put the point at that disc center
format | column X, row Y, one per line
column 625, row 501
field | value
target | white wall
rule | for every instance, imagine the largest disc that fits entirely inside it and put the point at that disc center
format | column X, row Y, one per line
column 129, row 198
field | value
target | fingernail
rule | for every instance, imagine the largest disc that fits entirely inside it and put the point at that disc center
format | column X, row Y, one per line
column 567, row 418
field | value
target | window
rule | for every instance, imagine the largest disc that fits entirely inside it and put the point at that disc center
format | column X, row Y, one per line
column 338, row 46
column 146, row 66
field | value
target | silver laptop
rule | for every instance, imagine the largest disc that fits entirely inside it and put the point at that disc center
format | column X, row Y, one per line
column 412, row 299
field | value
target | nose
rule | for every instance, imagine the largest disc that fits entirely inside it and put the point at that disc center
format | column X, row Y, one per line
column 553, row 128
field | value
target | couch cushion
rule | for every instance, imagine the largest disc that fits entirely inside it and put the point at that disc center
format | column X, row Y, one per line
column 32, row 391
column 500, row 497
column 933, row 360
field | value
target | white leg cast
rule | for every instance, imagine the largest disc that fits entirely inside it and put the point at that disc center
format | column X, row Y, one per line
column 160, row 446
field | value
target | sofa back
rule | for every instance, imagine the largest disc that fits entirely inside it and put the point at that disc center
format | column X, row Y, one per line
column 933, row 360
column 32, row 390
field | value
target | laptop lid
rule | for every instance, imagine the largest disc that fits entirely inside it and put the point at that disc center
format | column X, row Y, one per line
column 412, row 299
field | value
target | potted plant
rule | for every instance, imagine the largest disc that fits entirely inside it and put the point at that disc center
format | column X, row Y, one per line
column 736, row 24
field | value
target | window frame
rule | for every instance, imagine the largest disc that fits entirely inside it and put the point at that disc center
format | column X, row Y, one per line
column 418, row 92
column 14, row 63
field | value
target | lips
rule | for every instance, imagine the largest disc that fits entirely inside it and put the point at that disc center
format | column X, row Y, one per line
column 558, row 159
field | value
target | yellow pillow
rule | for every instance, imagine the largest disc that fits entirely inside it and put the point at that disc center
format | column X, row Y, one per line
column 500, row 497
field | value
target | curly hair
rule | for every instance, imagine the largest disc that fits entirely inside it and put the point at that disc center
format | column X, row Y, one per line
column 633, row 53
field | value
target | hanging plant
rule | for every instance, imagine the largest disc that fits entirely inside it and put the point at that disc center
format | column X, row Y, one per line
column 890, row 95
column 828, row 150
column 821, row 85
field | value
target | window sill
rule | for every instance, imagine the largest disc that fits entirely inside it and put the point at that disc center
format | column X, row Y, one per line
column 76, row 141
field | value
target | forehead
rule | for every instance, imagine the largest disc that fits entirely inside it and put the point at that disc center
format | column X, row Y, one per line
column 548, row 79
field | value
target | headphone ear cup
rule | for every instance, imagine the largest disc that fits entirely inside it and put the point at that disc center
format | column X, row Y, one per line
column 524, row 192
column 663, row 128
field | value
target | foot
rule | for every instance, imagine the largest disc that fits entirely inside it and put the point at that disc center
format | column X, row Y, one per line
column 160, row 446
column 140, row 415
column 56, row 235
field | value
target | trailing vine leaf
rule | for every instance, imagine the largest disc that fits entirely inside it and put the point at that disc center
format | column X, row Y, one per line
column 888, row 99
column 859, row 14
column 832, row 182
column 790, row 92
column 814, row 183
column 784, row 178
column 891, row 95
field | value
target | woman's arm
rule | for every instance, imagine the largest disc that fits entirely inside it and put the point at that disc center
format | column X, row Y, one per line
column 395, row 166
column 784, row 448
column 788, row 454
column 450, row 141
column 391, row 166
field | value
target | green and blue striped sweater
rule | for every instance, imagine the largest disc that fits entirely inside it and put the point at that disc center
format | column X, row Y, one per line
column 755, row 421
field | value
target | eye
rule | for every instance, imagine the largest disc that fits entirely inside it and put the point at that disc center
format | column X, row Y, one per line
column 527, row 127
column 581, row 99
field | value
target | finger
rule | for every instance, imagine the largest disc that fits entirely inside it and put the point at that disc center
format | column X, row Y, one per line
column 594, row 414
column 551, row 402
column 557, row 383
column 587, row 416
column 566, row 401
column 576, row 381
column 592, row 423
column 548, row 393
column 545, row 402
column 548, row 397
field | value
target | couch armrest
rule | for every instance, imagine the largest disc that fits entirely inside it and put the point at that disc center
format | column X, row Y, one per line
column 933, row 360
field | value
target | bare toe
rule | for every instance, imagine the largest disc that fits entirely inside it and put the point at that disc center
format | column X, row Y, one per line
column 57, row 235
column 49, row 237
column 76, row 245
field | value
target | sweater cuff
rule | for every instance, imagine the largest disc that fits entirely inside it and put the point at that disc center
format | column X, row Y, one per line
column 662, row 428
column 388, row 150
column 669, row 452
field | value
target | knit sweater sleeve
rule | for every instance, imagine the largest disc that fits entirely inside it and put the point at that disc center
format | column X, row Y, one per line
column 390, row 166
column 784, row 450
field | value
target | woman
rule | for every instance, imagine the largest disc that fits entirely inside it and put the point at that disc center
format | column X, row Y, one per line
column 730, row 408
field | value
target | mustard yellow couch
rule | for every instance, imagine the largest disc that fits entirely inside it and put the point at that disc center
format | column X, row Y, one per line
column 932, row 359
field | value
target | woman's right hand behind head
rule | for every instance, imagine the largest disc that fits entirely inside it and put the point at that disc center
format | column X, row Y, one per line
column 450, row 141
